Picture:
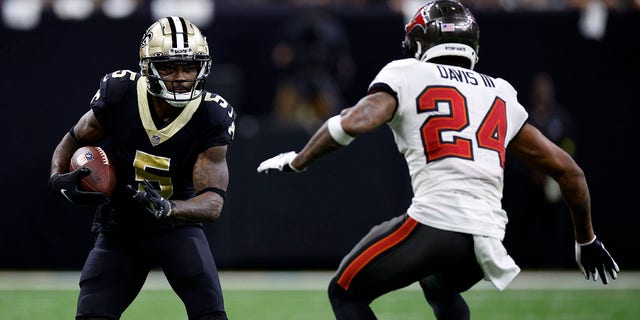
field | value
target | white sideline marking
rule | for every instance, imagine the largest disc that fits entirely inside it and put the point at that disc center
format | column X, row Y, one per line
column 312, row 280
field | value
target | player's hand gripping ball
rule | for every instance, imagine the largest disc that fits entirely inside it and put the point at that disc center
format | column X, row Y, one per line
column 102, row 177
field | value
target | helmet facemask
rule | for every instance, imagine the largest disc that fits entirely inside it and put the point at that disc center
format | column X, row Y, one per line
column 172, row 42
column 165, row 88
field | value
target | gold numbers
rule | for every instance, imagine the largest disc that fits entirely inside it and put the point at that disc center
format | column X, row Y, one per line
column 123, row 73
column 144, row 161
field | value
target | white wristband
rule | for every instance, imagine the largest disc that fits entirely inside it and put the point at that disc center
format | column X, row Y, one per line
column 337, row 132
column 588, row 243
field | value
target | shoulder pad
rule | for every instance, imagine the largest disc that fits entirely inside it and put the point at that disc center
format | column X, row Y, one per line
column 113, row 86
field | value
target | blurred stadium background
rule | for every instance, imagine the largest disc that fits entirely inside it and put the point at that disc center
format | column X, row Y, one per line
column 53, row 54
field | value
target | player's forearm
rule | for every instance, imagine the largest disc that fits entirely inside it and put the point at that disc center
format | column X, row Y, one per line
column 368, row 114
column 576, row 194
column 318, row 146
column 62, row 155
column 203, row 208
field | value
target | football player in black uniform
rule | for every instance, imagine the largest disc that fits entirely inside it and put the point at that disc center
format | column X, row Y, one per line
column 168, row 139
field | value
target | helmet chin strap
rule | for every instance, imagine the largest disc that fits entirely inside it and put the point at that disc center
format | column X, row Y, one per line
column 177, row 104
column 180, row 100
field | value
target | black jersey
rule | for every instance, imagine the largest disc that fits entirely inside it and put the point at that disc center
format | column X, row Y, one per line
column 140, row 149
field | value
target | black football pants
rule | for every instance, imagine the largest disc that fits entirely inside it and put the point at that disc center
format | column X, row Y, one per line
column 118, row 265
column 400, row 252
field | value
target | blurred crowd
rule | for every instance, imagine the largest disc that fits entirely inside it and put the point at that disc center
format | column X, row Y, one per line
column 25, row 14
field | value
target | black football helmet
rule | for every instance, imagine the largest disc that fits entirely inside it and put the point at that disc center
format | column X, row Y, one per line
column 442, row 28
column 177, row 40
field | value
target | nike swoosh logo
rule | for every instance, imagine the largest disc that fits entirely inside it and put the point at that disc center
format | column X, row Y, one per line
column 64, row 193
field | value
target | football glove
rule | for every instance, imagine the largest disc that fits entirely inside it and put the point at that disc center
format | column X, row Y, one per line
column 281, row 162
column 593, row 260
column 152, row 200
column 65, row 185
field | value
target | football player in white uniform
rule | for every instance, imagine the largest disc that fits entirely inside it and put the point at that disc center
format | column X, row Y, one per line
column 454, row 126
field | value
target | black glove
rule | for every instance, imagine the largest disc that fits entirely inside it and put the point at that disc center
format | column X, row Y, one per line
column 593, row 260
column 65, row 185
column 152, row 200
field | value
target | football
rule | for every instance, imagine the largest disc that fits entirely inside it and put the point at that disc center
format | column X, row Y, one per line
column 103, row 175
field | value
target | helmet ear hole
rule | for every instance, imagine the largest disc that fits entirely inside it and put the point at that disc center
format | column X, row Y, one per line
column 415, row 45
column 408, row 50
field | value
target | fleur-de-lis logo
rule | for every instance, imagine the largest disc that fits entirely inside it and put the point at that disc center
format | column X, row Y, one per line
column 145, row 39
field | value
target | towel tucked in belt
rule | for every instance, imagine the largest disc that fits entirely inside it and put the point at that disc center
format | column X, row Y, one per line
column 497, row 265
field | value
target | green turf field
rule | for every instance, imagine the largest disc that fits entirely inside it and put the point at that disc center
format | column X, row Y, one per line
column 157, row 303
column 313, row 305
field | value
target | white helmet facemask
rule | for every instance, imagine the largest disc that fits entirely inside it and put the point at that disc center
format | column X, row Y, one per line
column 177, row 99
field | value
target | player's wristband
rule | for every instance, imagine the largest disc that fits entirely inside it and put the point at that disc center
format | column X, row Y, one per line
column 588, row 243
column 337, row 132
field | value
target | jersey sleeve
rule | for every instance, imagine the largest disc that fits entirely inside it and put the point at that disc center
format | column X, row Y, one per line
column 389, row 79
column 517, row 115
column 112, row 89
column 221, row 117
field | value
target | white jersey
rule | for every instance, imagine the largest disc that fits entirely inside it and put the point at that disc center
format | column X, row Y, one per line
column 453, row 125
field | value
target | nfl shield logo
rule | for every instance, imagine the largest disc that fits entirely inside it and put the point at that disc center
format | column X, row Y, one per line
column 155, row 139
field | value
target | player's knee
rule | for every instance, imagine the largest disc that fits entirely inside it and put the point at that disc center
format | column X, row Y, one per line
column 430, row 286
column 446, row 302
column 333, row 290
column 337, row 294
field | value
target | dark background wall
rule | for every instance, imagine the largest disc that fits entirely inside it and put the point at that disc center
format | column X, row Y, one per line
column 311, row 220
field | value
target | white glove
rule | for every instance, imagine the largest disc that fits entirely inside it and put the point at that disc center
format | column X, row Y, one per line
column 281, row 162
